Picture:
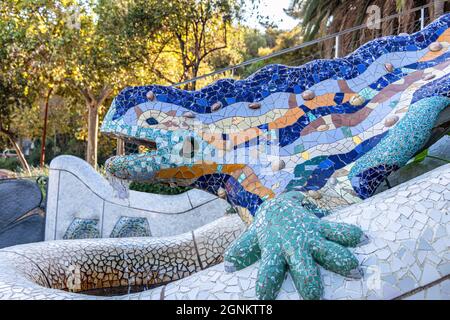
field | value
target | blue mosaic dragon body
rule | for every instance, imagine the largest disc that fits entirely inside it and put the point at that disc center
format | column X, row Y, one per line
column 288, row 145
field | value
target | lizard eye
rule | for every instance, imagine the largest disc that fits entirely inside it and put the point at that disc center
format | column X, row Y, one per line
column 151, row 121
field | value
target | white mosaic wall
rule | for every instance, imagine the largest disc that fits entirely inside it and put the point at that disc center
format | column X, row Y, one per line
column 29, row 271
column 76, row 190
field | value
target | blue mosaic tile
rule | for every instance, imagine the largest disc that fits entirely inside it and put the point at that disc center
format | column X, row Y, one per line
column 131, row 227
column 82, row 229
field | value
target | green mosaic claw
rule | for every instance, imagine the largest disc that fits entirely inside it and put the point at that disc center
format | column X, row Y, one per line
column 243, row 252
column 305, row 275
column 270, row 274
column 288, row 236
column 345, row 234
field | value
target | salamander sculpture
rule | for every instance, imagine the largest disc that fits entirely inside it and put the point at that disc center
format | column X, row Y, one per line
column 288, row 145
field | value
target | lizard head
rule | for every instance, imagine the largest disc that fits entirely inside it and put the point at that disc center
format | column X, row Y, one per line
column 193, row 139
column 171, row 137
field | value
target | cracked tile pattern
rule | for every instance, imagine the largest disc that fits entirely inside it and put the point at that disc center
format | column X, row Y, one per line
column 408, row 249
column 440, row 291
column 83, row 265
column 340, row 127
column 131, row 227
column 328, row 128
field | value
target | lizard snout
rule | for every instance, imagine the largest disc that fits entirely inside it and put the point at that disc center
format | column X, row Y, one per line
column 113, row 167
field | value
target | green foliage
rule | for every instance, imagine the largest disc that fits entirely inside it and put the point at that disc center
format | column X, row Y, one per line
column 421, row 156
column 276, row 40
column 73, row 50
column 9, row 164
column 157, row 188
column 320, row 18
column 171, row 39
column 313, row 14
column 424, row 154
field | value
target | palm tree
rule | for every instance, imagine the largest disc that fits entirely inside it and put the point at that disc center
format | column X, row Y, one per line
column 438, row 8
column 322, row 17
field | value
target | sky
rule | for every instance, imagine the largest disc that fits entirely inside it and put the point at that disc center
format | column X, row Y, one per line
column 274, row 10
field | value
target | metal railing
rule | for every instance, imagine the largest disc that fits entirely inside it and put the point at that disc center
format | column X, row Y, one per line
column 337, row 47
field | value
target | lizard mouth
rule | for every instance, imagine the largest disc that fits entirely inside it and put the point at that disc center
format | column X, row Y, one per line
column 135, row 145
column 120, row 170
column 142, row 158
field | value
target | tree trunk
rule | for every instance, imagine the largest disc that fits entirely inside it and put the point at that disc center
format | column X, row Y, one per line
column 120, row 150
column 438, row 8
column 44, row 132
column 91, row 154
column 23, row 161
column 406, row 20
column 93, row 103
column 387, row 27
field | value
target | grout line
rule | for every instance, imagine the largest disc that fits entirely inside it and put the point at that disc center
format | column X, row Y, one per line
column 422, row 288
column 37, row 266
column 196, row 250
column 103, row 218
column 130, row 207
column 189, row 198
column 162, row 293
column 57, row 204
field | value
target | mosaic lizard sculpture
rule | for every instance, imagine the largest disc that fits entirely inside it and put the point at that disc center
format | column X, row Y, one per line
column 289, row 145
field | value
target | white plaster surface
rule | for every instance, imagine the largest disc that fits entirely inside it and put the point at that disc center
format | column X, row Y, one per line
column 76, row 190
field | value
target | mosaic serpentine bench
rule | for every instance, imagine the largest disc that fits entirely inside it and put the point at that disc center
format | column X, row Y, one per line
column 111, row 266
column 408, row 256
column 82, row 204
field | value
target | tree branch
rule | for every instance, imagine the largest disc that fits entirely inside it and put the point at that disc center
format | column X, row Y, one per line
column 104, row 94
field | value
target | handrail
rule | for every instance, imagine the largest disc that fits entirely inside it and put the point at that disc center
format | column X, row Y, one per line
column 307, row 44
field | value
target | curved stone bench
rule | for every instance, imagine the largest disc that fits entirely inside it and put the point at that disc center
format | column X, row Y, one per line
column 43, row 270
column 78, row 193
column 408, row 256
